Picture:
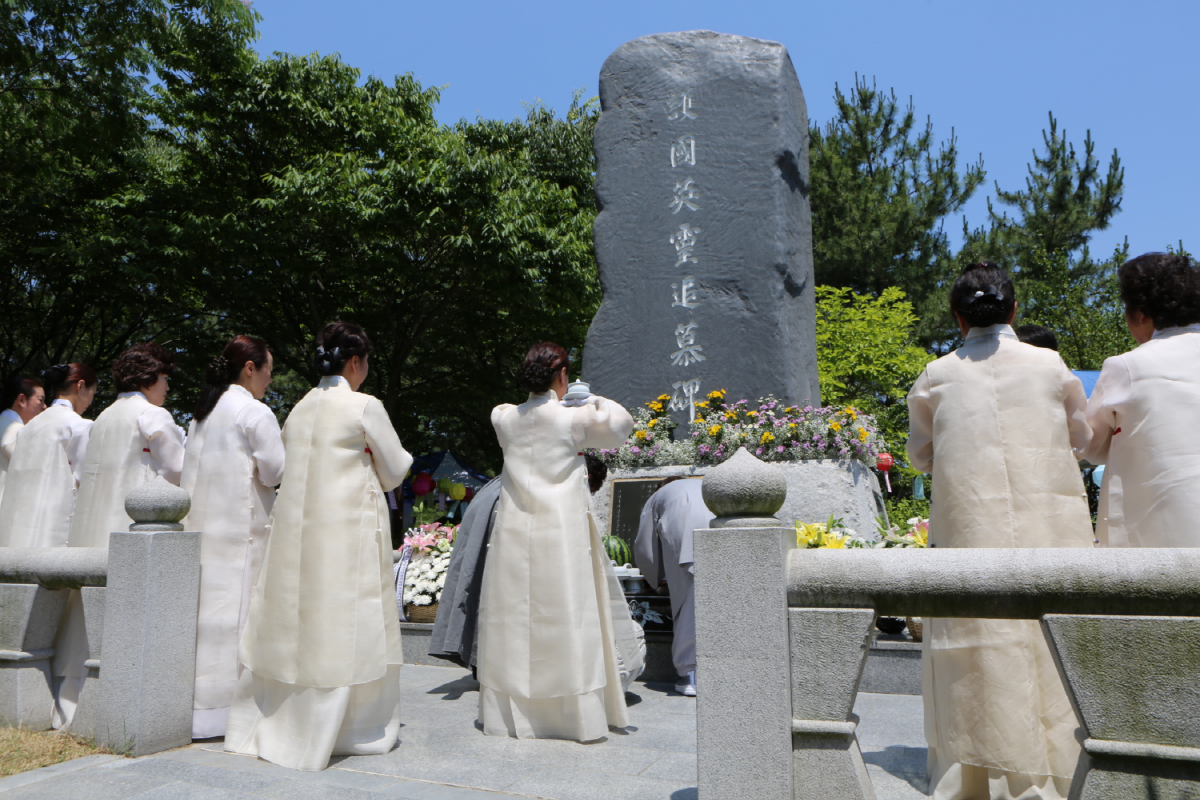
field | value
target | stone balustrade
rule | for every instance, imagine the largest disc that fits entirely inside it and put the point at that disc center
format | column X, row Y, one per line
column 783, row 634
column 140, row 599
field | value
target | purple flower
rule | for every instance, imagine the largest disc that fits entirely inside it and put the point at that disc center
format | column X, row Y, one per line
column 758, row 452
column 780, row 449
column 635, row 449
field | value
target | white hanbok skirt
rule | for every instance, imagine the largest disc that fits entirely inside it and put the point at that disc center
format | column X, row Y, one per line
column 301, row 727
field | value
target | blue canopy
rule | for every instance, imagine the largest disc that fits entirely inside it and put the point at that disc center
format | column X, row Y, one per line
column 1088, row 376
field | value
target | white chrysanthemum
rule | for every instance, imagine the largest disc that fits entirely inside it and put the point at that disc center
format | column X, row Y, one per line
column 408, row 596
column 422, row 600
column 426, row 587
column 441, row 581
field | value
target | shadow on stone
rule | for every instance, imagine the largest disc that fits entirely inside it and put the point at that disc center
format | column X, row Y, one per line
column 690, row 793
column 456, row 688
column 632, row 699
column 907, row 763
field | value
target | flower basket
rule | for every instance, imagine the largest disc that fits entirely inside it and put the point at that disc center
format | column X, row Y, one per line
column 421, row 613
column 916, row 627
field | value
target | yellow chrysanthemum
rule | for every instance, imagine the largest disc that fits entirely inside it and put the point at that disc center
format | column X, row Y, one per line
column 730, row 415
column 714, row 430
column 835, row 425
column 640, row 436
column 655, row 406
column 662, row 397
column 791, row 425
column 862, row 434
column 766, row 437
column 752, row 413
column 702, row 404
column 651, row 423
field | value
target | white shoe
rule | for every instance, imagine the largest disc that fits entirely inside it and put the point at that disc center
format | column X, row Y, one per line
column 687, row 686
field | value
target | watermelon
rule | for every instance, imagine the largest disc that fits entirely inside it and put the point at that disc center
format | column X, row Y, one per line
column 618, row 550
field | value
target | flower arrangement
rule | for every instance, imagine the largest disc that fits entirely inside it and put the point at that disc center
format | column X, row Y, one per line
column 769, row 430
column 650, row 443
column 834, row 535
column 917, row 534
column 831, row 535
column 425, row 577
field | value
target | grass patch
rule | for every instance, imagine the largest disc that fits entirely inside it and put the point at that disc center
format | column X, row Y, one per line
column 22, row 749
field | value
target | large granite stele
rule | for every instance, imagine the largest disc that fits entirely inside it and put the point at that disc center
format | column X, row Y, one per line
column 703, row 240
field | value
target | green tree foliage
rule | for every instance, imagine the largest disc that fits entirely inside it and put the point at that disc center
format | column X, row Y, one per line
column 1067, row 198
column 879, row 193
column 290, row 194
column 1084, row 311
column 867, row 356
column 72, row 133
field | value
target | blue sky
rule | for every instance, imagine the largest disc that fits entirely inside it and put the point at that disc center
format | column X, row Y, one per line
column 989, row 70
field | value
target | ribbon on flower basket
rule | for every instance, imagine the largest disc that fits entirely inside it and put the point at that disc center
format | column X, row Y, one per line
column 400, row 570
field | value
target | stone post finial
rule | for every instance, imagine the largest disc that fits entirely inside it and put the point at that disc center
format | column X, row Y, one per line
column 157, row 506
column 744, row 492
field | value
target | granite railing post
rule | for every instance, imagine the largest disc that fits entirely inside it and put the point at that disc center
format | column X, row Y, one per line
column 742, row 652
column 33, row 593
column 147, row 666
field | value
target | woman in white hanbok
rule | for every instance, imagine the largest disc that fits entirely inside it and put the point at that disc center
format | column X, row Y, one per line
column 1145, row 411
column 321, row 651
column 232, row 463
column 23, row 399
column 548, row 664
column 132, row 442
column 1000, row 424
column 43, row 476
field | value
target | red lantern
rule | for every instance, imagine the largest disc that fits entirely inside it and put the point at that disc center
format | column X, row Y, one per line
column 470, row 493
column 423, row 484
column 884, row 463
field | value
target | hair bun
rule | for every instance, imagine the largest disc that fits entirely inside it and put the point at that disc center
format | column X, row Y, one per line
column 217, row 372
column 56, row 374
column 329, row 362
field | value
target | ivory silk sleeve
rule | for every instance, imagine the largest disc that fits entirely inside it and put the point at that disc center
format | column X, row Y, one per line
column 920, row 425
column 266, row 443
column 166, row 442
column 76, row 447
column 601, row 423
column 1075, row 402
column 391, row 460
column 1110, row 393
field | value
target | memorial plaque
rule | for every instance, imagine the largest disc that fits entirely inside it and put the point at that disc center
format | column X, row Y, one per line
column 703, row 239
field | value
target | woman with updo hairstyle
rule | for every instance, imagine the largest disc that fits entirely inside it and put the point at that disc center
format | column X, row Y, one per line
column 548, row 664
column 133, row 441
column 1145, row 410
column 232, row 463
column 320, row 654
column 44, row 473
column 1001, row 425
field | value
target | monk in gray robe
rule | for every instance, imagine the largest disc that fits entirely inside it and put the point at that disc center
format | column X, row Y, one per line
column 454, row 634
column 663, row 548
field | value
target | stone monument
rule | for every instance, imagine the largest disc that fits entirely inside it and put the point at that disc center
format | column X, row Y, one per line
column 704, row 239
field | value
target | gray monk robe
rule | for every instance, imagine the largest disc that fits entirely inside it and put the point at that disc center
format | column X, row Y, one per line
column 454, row 630
column 664, row 548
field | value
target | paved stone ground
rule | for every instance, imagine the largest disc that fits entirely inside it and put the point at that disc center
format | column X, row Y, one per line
column 443, row 756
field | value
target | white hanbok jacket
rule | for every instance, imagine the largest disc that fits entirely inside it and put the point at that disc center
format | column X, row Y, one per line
column 43, row 477
column 547, row 660
column 11, row 425
column 232, row 463
column 321, row 649
column 1000, row 424
column 132, row 442
column 323, row 613
column 1145, row 419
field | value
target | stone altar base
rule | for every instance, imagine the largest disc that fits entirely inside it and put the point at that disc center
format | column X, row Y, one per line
column 815, row 489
